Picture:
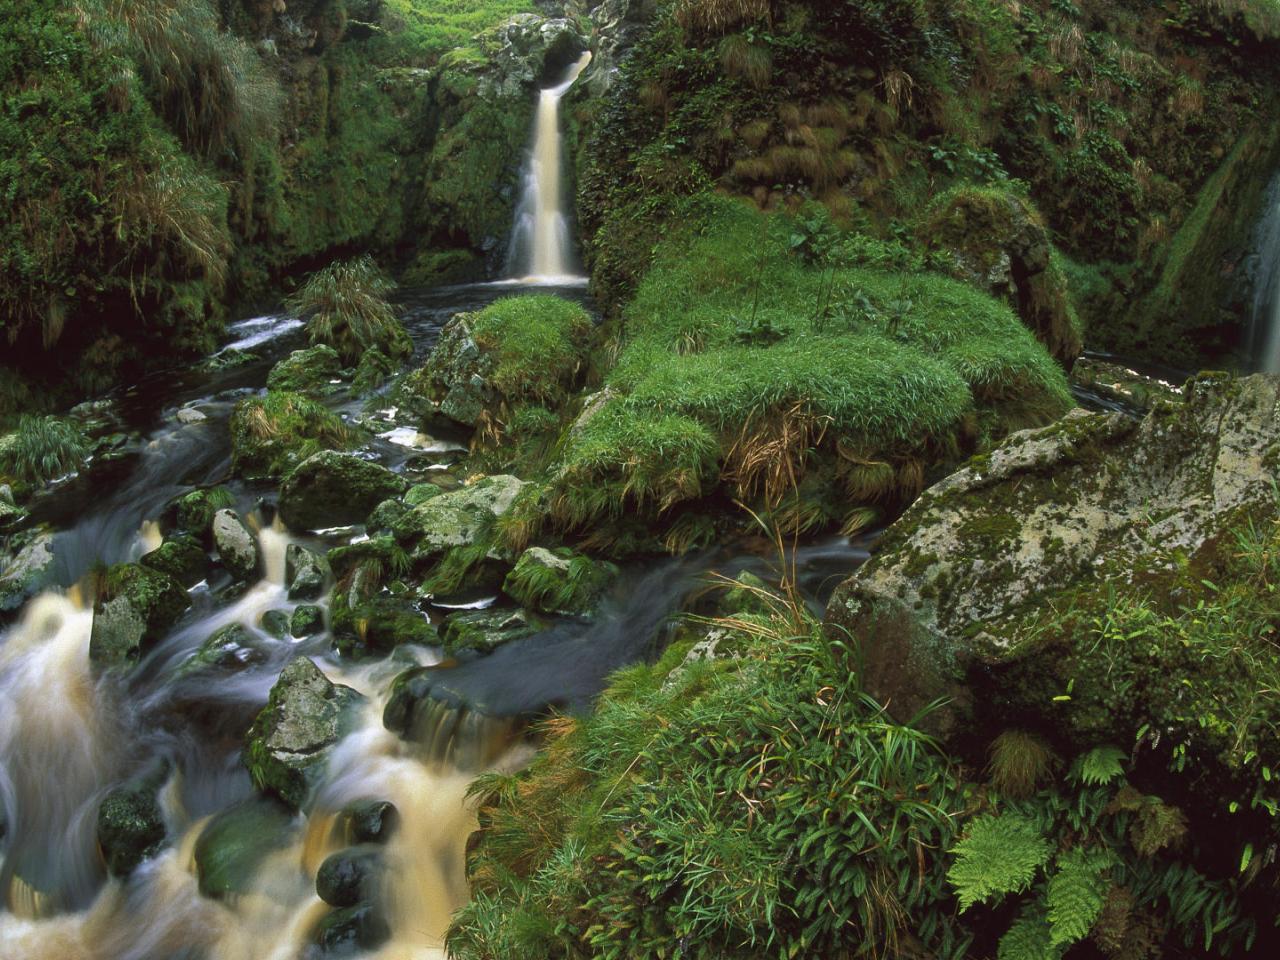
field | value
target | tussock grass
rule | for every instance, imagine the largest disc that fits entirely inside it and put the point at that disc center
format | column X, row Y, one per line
column 346, row 307
column 717, row 16
column 42, row 449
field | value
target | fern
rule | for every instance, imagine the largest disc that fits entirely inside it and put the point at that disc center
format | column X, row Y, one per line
column 1100, row 765
column 1030, row 938
column 999, row 855
column 1076, row 893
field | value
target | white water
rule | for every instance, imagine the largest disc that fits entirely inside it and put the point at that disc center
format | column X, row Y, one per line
column 541, row 245
column 1264, row 325
column 258, row 330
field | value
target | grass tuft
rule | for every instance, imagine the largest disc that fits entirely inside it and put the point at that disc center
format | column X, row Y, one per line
column 345, row 306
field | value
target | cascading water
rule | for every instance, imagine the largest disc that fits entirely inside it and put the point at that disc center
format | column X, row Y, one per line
column 1264, row 320
column 541, row 246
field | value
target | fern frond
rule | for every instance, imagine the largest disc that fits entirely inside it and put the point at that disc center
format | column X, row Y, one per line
column 1100, row 765
column 1076, row 893
column 1000, row 854
column 1029, row 938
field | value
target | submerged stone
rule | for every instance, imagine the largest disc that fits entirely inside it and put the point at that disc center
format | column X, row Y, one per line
column 350, row 876
column 235, row 842
column 275, row 623
column 351, row 930
column 371, row 821
column 332, row 489
column 229, row 648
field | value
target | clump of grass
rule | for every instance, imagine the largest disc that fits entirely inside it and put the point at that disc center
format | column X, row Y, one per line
column 42, row 449
column 558, row 581
column 345, row 306
column 537, row 344
column 272, row 434
column 719, row 15
column 1020, row 762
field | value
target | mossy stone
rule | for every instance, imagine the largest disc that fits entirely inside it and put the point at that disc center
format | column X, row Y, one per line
column 332, row 489
column 236, row 841
column 182, row 557
column 137, row 606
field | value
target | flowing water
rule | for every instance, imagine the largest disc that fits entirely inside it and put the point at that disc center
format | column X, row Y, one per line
column 1264, row 266
column 541, row 246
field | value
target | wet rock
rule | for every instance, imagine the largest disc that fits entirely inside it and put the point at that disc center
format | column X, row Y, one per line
column 1122, row 386
column 531, row 51
column 350, row 876
column 558, row 581
column 305, row 571
column 332, row 489
column 377, row 625
column 350, row 930
column 420, row 493
column 307, row 621
column 1093, row 502
column 12, row 516
column 27, row 572
column 136, row 608
column 384, row 516
column 229, row 648
column 193, row 512
column 180, row 556
column 190, row 415
column 289, row 742
column 371, row 821
column 131, row 825
column 380, row 550
column 275, row 623
column 375, row 369
column 483, row 631
column 458, row 518
column 236, row 841
column 236, row 546
column 308, row 371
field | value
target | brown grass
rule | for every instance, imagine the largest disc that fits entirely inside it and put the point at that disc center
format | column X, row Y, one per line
column 768, row 455
column 717, row 16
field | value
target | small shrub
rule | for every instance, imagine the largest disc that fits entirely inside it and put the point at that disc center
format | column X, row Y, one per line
column 42, row 449
column 345, row 306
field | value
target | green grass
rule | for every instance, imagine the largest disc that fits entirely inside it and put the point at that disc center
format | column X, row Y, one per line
column 272, row 434
column 437, row 27
column 42, row 449
column 737, row 349
column 345, row 306
column 537, row 343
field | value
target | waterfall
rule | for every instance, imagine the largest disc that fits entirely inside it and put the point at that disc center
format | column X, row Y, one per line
column 1264, row 319
column 541, row 248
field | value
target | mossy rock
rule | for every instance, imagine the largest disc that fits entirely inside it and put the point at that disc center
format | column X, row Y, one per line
column 459, row 518
column 289, row 743
column 131, row 827
column 381, row 550
column 370, row 821
column 232, row 647
column 28, row 571
column 483, row 631
column 237, row 547
column 136, row 608
column 377, row 625
column 180, row 556
column 271, row 435
column 307, row 620
column 331, row 489
column 306, row 572
column 235, row 842
column 192, row 513
column 374, row 369
column 558, row 581
column 310, row 371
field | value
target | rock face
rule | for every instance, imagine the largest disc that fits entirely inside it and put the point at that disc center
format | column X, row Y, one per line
column 998, row 242
column 961, row 578
column 456, row 518
column 333, row 489
column 236, row 546
column 532, row 51
column 290, row 740
column 137, row 606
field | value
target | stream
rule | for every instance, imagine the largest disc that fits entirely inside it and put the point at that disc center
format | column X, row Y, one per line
column 68, row 737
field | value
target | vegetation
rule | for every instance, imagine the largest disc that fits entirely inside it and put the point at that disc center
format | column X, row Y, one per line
column 272, row 434
column 537, row 344
column 346, row 308
column 42, row 449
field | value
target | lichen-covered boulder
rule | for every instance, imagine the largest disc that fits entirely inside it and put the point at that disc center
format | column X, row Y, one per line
column 982, row 573
column 310, row 371
column 26, row 572
column 131, row 825
column 289, row 742
column 307, row 620
column 332, row 489
column 237, row 548
column 134, row 610
column 996, row 240
column 483, row 631
column 192, row 513
column 457, row 518
column 182, row 557
column 558, row 581
column 305, row 571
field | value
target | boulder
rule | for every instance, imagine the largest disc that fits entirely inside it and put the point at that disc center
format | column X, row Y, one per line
column 27, row 572
column 182, row 557
column 350, row 876
column 228, row 648
column 308, row 371
column 289, row 742
column 131, row 825
column 193, row 512
column 135, row 609
column 236, row 546
column 307, row 621
column 351, row 930
column 306, row 572
column 457, row 518
column 483, row 631
column 384, row 515
column 370, row 821
column 971, row 593
column 275, row 623
column 236, row 841
column 190, row 415
column 558, row 581
column 333, row 489
column 377, row 625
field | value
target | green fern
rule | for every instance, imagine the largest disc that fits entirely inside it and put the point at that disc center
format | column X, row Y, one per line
column 1000, row 854
column 1076, row 893
column 1030, row 937
column 1100, row 765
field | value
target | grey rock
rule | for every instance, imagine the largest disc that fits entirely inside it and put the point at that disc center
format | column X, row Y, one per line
column 305, row 571
column 236, row 546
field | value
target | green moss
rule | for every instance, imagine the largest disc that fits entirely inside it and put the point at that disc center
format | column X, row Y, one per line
column 272, row 434
column 537, row 343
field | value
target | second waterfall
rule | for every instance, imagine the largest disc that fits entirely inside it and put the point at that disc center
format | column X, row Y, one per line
column 541, row 246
